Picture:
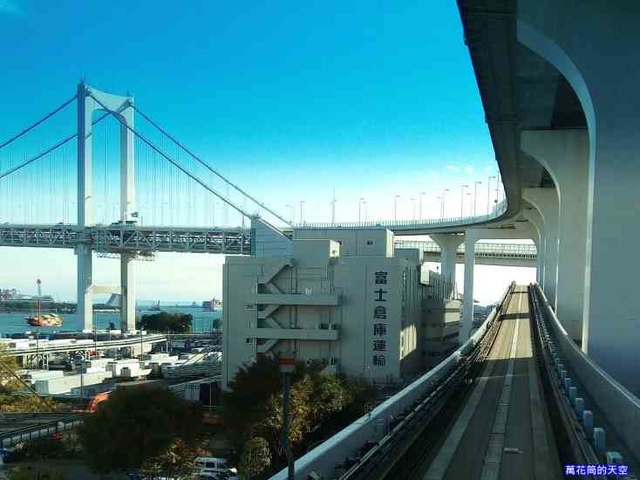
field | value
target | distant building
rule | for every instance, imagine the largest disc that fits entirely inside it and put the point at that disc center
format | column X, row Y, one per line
column 343, row 297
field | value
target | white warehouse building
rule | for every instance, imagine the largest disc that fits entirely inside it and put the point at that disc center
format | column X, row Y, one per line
column 344, row 297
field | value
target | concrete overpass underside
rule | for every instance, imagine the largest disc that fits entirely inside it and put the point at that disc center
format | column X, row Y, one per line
column 558, row 81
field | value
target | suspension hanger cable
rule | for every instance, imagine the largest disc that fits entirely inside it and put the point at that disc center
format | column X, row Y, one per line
column 170, row 160
column 208, row 167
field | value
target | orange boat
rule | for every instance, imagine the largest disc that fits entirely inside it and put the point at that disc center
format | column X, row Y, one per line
column 49, row 320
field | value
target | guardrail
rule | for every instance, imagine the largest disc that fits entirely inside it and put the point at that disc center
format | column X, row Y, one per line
column 620, row 407
column 430, row 222
column 374, row 426
column 42, row 347
column 493, row 249
column 25, row 434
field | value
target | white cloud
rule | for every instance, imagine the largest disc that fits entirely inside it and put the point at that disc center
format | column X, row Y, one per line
column 452, row 168
column 469, row 169
column 10, row 7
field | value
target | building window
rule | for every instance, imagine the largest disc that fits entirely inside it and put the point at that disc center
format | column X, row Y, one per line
column 369, row 242
column 249, row 340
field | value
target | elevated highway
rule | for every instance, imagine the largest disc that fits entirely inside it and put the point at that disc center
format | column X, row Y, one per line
column 503, row 406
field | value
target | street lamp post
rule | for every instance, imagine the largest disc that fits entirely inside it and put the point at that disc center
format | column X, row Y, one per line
column 301, row 211
column 395, row 207
column 491, row 177
column 462, row 200
column 439, row 197
column 360, row 209
column 475, row 196
column 333, row 208
column 413, row 209
column 420, row 205
column 442, row 210
column 365, row 211
column 293, row 213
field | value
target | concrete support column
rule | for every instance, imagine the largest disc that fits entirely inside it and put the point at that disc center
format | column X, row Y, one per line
column 531, row 214
column 565, row 154
column 84, row 286
column 611, row 321
column 128, row 293
column 449, row 244
column 545, row 200
column 469, row 266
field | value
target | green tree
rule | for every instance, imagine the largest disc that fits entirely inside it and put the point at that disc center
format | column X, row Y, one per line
column 166, row 322
column 255, row 458
column 10, row 382
column 137, row 424
column 216, row 324
column 176, row 462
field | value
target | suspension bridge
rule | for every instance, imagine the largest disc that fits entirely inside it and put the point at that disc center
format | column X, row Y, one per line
column 169, row 199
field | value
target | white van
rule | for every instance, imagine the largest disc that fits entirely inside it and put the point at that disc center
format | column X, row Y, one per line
column 212, row 466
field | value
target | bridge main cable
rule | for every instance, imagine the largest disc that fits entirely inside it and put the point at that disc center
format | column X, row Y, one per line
column 48, row 150
column 169, row 159
column 39, row 122
column 207, row 166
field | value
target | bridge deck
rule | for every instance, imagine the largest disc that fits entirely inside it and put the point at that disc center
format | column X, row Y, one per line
column 503, row 430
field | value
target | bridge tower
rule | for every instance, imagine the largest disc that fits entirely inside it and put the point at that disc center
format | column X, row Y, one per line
column 89, row 101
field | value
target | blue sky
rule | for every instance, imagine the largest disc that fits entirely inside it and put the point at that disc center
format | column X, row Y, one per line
column 291, row 100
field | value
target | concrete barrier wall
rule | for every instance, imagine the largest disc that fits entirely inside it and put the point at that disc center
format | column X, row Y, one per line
column 621, row 407
column 373, row 426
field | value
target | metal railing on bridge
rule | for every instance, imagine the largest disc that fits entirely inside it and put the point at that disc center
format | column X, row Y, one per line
column 410, row 224
column 506, row 250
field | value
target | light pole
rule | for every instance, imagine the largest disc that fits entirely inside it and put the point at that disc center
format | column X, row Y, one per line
column 301, row 211
column 439, row 197
column 333, row 208
column 395, row 207
column 420, row 205
column 442, row 210
column 365, row 211
column 469, row 202
column 475, row 196
column 462, row 200
column 360, row 209
column 413, row 208
column 491, row 177
column 293, row 213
